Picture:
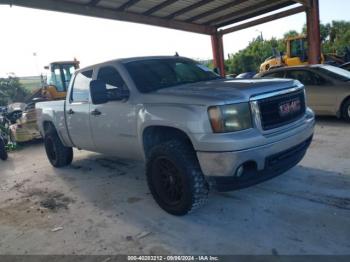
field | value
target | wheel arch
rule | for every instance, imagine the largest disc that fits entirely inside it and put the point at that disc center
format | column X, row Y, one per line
column 154, row 135
column 340, row 110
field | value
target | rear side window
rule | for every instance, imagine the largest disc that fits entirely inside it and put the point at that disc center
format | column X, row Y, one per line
column 276, row 75
column 305, row 77
column 81, row 86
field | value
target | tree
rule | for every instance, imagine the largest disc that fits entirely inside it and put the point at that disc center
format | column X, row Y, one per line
column 250, row 58
column 11, row 90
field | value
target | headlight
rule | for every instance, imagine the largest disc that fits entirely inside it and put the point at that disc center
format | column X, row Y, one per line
column 230, row 118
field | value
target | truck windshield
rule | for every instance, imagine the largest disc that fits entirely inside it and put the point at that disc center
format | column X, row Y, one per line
column 154, row 74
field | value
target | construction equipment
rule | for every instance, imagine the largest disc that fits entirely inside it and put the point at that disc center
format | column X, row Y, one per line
column 24, row 127
column 297, row 54
column 58, row 78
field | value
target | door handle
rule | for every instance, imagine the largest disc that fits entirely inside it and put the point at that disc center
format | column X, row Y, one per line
column 96, row 112
column 70, row 112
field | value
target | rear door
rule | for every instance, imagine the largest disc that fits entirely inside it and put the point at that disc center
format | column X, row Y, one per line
column 319, row 97
column 78, row 111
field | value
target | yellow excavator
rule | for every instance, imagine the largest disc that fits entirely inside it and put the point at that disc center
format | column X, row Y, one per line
column 297, row 54
column 58, row 78
column 24, row 128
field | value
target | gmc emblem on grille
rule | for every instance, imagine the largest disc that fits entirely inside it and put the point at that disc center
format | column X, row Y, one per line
column 290, row 107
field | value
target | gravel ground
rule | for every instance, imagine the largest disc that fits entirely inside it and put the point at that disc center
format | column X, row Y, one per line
column 101, row 205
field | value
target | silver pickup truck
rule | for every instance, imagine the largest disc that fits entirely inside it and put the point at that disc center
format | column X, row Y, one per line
column 194, row 130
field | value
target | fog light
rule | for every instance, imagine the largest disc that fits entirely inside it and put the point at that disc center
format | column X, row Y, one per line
column 240, row 171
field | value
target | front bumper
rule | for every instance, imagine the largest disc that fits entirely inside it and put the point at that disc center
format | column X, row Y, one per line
column 260, row 162
column 275, row 165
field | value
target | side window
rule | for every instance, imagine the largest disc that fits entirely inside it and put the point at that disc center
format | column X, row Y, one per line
column 81, row 85
column 111, row 77
column 320, row 80
column 276, row 75
column 55, row 79
column 307, row 77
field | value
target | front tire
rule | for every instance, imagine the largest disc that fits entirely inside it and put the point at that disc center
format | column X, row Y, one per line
column 3, row 152
column 345, row 110
column 175, row 178
column 58, row 154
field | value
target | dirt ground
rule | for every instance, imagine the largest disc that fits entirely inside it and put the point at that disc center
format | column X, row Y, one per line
column 102, row 205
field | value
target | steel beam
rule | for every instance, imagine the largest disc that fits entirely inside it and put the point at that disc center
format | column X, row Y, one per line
column 94, row 2
column 215, row 10
column 96, row 11
column 313, row 32
column 263, row 20
column 159, row 7
column 240, row 12
column 189, row 8
column 218, row 53
column 127, row 5
column 303, row 2
column 249, row 13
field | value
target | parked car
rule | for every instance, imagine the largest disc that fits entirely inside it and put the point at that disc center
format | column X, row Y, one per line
column 246, row 75
column 327, row 87
column 346, row 66
column 194, row 130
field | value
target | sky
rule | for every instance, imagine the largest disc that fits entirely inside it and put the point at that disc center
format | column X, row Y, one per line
column 56, row 36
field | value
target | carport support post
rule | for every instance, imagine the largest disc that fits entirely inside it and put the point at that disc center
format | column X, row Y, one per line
column 218, row 53
column 313, row 32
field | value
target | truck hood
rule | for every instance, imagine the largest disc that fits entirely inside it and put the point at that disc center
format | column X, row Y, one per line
column 218, row 92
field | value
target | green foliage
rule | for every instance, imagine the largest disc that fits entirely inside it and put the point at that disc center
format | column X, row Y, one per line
column 250, row 58
column 30, row 83
column 11, row 90
column 335, row 38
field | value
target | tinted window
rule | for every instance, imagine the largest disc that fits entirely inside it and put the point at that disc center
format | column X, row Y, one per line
column 305, row 77
column 346, row 67
column 151, row 75
column 55, row 79
column 80, row 92
column 299, row 49
column 111, row 77
column 68, row 71
column 334, row 72
column 279, row 74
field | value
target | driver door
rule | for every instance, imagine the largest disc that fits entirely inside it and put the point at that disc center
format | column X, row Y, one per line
column 113, row 124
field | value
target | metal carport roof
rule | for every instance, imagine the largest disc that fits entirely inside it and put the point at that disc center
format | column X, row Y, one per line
column 200, row 16
column 211, row 17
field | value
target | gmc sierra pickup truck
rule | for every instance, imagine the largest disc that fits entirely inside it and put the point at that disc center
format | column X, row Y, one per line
column 194, row 130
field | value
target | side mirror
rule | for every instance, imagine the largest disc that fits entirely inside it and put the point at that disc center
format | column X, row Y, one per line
column 98, row 92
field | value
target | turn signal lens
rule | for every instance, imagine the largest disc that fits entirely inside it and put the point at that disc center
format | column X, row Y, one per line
column 216, row 119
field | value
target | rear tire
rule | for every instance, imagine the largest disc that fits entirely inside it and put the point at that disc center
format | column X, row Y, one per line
column 3, row 152
column 58, row 154
column 345, row 110
column 175, row 178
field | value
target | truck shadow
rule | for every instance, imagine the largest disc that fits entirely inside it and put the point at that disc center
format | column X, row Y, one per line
column 331, row 121
column 301, row 200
